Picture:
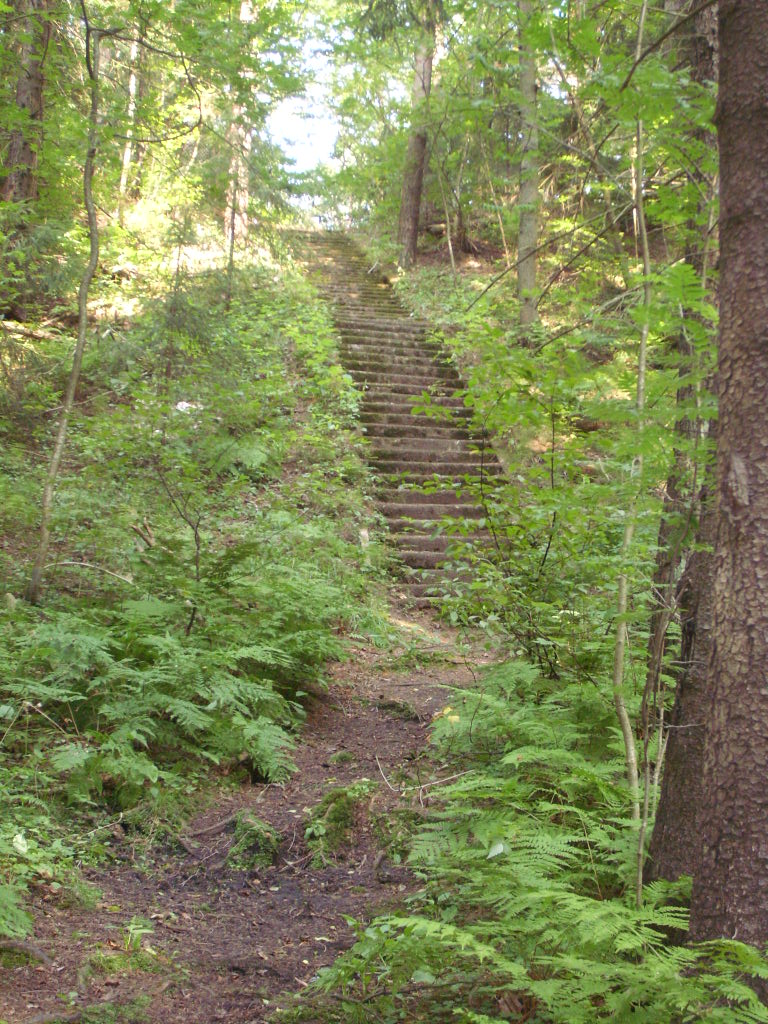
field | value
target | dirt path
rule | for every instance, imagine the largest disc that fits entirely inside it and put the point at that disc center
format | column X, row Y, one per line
column 226, row 941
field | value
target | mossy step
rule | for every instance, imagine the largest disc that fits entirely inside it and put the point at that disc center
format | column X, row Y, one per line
column 402, row 368
column 423, row 430
column 382, row 391
column 424, row 511
column 401, row 412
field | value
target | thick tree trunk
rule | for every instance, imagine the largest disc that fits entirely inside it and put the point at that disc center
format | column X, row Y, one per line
column 529, row 176
column 416, row 155
column 675, row 844
column 730, row 891
column 19, row 172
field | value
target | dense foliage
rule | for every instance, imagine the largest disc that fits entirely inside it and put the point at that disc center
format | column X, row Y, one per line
column 200, row 580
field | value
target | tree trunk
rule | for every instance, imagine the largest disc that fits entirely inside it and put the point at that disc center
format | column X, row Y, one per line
column 19, row 182
column 238, row 191
column 529, row 176
column 92, row 60
column 730, row 891
column 675, row 843
column 416, row 155
column 134, row 76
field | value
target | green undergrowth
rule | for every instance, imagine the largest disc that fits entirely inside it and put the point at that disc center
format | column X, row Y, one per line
column 527, row 910
column 206, row 562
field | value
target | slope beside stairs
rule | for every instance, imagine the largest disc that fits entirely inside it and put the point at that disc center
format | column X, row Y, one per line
column 428, row 466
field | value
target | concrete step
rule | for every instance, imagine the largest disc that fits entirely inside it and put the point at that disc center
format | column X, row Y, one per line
column 422, row 559
column 392, row 350
column 383, row 324
column 423, row 428
column 403, row 459
column 439, row 393
column 396, row 368
column 398, row 413
column 424, row 511
column 429, row 541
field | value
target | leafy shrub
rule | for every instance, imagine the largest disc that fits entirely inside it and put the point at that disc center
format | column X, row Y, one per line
column 206, row 562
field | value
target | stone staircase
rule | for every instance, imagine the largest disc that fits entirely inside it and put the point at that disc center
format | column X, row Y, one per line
column 427, row 464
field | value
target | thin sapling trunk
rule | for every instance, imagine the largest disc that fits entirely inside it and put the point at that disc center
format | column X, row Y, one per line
column 92, row 62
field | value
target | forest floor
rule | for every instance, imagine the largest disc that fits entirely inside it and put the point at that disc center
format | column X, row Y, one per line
column 180, row 933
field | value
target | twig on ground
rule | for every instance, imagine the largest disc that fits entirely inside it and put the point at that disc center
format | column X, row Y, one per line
column 214, row 830
column 28, row 948
column 381, row 770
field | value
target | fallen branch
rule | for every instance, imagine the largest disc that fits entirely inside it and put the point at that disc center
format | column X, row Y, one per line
column 214, row 830
column 90, row 565
column 28, row 948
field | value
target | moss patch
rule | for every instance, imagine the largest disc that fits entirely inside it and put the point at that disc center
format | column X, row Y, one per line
column 256, row 844
column 333, row 820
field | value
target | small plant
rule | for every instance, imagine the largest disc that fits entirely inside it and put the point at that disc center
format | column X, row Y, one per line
column 135, row 932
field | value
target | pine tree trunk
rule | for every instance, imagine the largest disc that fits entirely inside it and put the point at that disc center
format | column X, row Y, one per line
column 529, row 176
column 19, row 172
column 675, row 843
column 730, row 891
column 416, row 155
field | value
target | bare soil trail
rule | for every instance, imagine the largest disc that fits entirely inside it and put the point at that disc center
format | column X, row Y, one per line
column 226, row 942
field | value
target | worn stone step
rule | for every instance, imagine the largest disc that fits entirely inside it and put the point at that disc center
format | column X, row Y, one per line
column 390, row 353
column 405, row 507
column 403, row 325
column 396, row 375
column 418, row 457
column 424, row 540
column 393, row 350
column 429, row 447
column 422, row 559
column 396, row 368
column 399, row 413
column 388, row 340
column 425, row 431
column 460, row 527
column 438, row 393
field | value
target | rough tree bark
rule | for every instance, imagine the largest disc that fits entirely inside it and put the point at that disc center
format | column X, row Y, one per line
column 675, row 842
column 529, row 175
column 19, row 171
column 416, row 154
column 730, row 891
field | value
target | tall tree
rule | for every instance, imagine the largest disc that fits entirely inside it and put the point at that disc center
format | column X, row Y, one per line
column 32, row 26
column 416, row 154
column 730, row 892
column 675, row 842
column 529, row 172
